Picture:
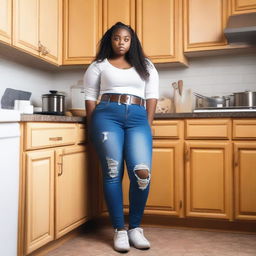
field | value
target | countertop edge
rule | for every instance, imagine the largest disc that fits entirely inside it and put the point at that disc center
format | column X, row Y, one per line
column 79, row 119
column 51, row 118
column 206, row 115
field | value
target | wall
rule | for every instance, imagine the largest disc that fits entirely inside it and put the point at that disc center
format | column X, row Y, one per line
column 218, row 75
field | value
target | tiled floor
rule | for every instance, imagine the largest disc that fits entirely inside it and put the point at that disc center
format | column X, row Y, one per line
column 164, row 242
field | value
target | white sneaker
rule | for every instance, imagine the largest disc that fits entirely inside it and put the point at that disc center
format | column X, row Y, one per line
column 137, row 238
column 121, row 241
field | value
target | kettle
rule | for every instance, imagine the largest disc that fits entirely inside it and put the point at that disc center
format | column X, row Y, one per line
column 53, row 103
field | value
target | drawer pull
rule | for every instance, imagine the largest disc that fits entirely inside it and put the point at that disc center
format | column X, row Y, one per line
column 55, row 138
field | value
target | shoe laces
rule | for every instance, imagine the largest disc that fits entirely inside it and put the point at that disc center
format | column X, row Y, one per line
column 122, row 235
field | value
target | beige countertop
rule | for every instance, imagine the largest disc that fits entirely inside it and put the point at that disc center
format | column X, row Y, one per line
column 77, row 119
column 206, row 115
column 51, row 118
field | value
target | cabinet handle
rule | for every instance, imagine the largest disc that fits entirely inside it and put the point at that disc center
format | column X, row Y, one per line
column 40, row 46
column 55, row 138
column 60, row 172
column 236, row 159
column 45, row 50
column 187, row 154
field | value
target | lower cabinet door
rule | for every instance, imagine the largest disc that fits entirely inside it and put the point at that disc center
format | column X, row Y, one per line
column 39, row 211
column 166, row 195
column 208, row 179
column 71, row 189
column 245, row 180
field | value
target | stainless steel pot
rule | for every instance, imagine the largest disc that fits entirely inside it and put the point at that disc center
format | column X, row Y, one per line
column 245, row 99
column 206, row 102
column 53, row 103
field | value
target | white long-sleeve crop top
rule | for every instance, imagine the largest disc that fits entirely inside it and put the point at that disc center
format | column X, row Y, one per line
column 103, row 77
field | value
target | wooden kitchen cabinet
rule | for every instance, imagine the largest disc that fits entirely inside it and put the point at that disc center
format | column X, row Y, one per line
column 116, row 10
column 86, row 21
column 204, row 23
column 55, row 182
column 37, row 28
column 166, row 188
column 244, row 136
column 82, row 30
column 71, row 189
column 208, row 168
column 39, row 211
column 159, row 27
column 245, row 180
column 208, row 179
column 243, row 6
column 6, row 21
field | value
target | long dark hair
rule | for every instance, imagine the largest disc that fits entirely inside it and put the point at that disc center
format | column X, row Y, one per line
column 135, row 56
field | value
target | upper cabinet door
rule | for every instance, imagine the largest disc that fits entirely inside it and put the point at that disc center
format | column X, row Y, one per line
column 159, row 27
column 25, row 27
column 82, row 30
column 50, row 30
column 204, row 22
column 116, row 10
column 243, row 6
column 6, row 21
column 36, row 27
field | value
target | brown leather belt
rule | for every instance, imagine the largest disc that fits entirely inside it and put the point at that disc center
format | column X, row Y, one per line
column 123, row 98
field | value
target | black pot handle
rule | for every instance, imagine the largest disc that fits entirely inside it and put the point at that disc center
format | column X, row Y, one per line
column 53, row 91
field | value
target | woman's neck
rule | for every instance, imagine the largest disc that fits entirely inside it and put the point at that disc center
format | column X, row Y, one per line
column 119, row 62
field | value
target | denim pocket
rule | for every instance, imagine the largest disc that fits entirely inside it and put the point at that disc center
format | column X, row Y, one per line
column 102, row 105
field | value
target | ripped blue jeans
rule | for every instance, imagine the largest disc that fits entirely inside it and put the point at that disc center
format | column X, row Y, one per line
column 121, row 133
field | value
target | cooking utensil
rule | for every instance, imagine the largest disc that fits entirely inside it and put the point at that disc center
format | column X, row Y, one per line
column 53, row 103
column 245, row 99
column 219, row 101
column 206, row 102
column 180, row 86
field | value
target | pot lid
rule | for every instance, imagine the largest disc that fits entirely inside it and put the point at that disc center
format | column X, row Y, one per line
column 53, row 93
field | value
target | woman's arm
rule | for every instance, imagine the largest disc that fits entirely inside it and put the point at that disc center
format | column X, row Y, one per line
column 89, row 107
column 151, row 108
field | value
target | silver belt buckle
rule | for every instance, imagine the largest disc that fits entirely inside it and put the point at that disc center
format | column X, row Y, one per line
column 119, row 98
column 128, row 100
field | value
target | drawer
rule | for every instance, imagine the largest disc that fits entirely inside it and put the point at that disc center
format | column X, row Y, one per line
column 244, row 129
column 208, row 129
column 43, row 135
column 167, row 129
column 81, row 133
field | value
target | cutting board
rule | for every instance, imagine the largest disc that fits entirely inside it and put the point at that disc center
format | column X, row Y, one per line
column 10, row 95
column 184, row 102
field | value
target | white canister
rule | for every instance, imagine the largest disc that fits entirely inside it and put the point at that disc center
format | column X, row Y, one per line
column 77, row 97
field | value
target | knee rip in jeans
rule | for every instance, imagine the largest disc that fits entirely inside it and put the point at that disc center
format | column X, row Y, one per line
column 142, row 173
column 112, row 166
column 105, row 136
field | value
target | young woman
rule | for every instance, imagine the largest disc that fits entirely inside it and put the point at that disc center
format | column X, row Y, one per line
column 119, row 125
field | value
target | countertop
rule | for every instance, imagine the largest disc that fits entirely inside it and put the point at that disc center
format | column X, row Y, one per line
column 206, row 115
column 51, row 118
column 77, row 119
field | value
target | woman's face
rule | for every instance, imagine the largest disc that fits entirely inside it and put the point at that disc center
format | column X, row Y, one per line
column 121, row 41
